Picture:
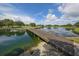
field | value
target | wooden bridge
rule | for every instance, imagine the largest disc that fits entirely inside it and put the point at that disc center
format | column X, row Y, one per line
column 59, row 42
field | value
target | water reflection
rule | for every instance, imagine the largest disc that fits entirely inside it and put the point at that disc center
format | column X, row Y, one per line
column 15, row 52
column 10, row 41
column 60, row 31
column 10, row 33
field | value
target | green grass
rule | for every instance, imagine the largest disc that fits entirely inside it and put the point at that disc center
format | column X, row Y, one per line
column 76, row 30
column 74, row 39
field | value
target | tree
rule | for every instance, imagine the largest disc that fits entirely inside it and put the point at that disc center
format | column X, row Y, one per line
column 32, row 24
column 1, row 24
column 69, row 25
column 55, row 26
column 7, row 22
column 49, row 26
column 42, row 26
column 77, row 24
column 19, row 23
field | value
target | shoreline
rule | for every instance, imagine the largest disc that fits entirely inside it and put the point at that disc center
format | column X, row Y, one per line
column 31, row 50
column 42, row 49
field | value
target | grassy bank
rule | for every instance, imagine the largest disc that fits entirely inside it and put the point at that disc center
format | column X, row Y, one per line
column 76, row 30
column 73, row 29
column 73, row 39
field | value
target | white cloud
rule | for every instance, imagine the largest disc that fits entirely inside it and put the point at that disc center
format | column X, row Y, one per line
column 8, row 8
column 11, row 12
column 49, row 17
column 66, row 18
column 38, row 14
column 60, row 22
column 63, row 21
column 69, row 9
column 25, row 19
column 70, row 13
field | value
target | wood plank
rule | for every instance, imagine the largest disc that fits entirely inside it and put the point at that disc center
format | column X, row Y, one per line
column 59, row 41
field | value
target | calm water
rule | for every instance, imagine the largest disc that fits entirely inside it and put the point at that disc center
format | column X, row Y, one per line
column 60, row 31
column 11, row 40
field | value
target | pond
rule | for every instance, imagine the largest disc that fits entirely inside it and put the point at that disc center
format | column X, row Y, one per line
column 60, row 31
column 16, row 42
column 13, row 41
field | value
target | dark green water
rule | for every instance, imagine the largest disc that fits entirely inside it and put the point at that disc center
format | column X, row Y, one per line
column 10, row 41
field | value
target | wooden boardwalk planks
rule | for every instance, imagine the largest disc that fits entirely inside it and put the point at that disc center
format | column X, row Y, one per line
column 60, row 42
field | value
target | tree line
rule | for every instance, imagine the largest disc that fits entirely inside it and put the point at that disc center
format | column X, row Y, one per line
column 67, row 25
column 9, row 22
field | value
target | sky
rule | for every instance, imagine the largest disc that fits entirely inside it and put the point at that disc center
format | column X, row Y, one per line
column 41, row 13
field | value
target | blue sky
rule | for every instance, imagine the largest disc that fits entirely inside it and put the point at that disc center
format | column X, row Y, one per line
column 41, row 13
